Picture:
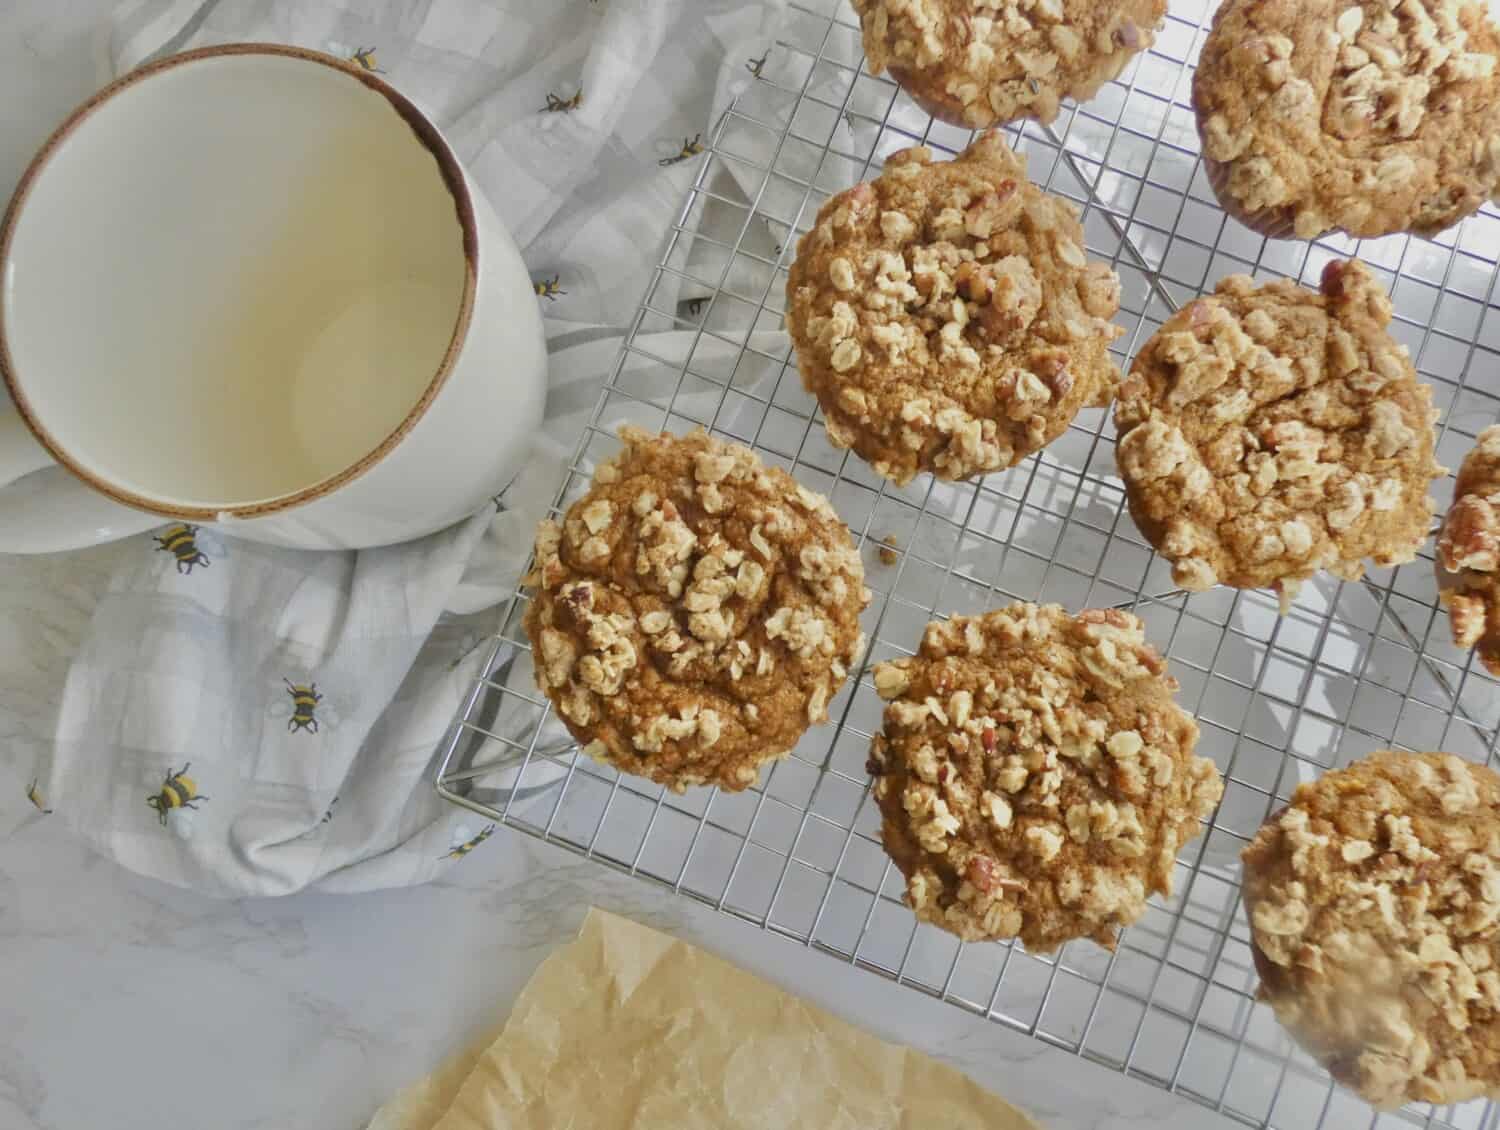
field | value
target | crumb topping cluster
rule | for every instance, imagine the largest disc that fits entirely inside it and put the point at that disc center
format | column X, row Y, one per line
column 1270, row 433
column 1374, row 900
column 946, row 316
column 1372, row 117
column 1469, row 553
column 987, row 62
column 695, row 611
column 1035, row 775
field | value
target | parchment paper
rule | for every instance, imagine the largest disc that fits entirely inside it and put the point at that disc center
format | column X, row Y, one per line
column 628, row 1028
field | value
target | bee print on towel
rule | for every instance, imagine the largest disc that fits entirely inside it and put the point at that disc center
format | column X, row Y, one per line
column 303, row 707
column 181, row 541
column 305, row 699
column 549, row 289
column 33, row 794
column 364, row 58
column 463, row 845
column 178, row 791
column 756, row 66
column 556, row 105
column 691, row 147
column 361, row 57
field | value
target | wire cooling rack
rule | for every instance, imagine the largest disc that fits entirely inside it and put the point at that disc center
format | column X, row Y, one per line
column 1353, row 667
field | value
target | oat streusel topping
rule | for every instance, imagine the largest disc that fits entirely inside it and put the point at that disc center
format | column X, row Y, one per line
column 1267, row 434
column 695, row 611
column 1035, row 775
column 981, row 63
column 1469, row 553
column 1374, row 905
column 946, row 317
column 1373, row 116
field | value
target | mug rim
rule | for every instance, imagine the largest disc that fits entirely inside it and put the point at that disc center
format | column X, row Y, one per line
column 426, row 133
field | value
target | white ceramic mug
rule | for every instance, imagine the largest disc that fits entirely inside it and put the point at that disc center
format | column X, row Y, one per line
column 251, row 285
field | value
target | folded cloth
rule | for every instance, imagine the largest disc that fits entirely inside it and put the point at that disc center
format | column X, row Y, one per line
column 248, row 720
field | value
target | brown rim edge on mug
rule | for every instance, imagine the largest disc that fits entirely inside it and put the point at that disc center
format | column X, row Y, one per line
column 453, row 178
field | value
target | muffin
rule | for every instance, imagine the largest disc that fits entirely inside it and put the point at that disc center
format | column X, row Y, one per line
column 946, row 317
column 1035, row 776
column 1269, row 433
column 694, row 612
column 1374, row 906
column 980, row 63
column 1468, row 554
column 1369, row 116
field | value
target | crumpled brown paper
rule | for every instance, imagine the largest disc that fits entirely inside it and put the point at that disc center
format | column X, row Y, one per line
column 627, row 1027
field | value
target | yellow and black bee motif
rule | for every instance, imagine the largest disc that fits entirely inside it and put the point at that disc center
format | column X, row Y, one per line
column 35, row 797
column 556, row 105
column 690, row 149
column 755, row 66
column 548, row 288
column 181, row 542
column 305, row 701
column 463, row 849
column 177, row 791
column 365, row 58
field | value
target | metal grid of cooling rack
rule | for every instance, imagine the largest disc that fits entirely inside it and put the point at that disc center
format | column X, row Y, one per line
column 1352, row 667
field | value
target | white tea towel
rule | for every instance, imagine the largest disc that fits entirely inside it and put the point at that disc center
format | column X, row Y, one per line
column 249, row 720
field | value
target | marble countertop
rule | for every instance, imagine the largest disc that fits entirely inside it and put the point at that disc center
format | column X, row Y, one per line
column 128, row 1004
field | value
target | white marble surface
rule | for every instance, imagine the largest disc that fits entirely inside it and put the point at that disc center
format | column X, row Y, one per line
column 127, row 1004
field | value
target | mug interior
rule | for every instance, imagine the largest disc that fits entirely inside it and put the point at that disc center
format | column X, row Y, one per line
column 232, row 280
